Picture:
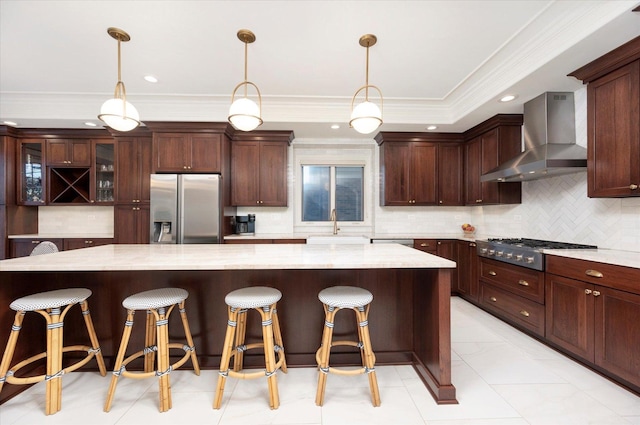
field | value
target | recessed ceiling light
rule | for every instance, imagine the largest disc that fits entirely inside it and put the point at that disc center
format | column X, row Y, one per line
column 508, row 98
column 150, row 78
column 335, row 126
column 90, row 124
column 10, row 123
column 432, row 127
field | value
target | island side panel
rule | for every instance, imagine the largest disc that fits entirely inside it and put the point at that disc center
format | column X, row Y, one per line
column 432, row 333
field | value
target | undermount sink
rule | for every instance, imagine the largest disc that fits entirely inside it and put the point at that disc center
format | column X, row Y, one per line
column 338, row 239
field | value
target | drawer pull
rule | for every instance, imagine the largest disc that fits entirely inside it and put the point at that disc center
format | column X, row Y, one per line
column 588, row 291
column 525, row 313
column 494, row 299
column 424, row 245
column 594, row 273
column 596, row 293
column 633, row 186
column 523, row 282
column 36, row 242
column 492, row 273
column 472, row 244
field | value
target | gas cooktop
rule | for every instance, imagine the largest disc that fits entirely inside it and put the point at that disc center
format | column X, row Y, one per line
column 521, row 251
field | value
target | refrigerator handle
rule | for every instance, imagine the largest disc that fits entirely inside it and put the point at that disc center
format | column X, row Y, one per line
column 180, row 215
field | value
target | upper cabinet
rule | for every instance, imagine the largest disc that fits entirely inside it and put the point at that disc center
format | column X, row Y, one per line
column 613, row 122
column 68, row 152
column 488, row 145
column 259, row 168
column 31, row 174
column 420, row 168
column 133, row 157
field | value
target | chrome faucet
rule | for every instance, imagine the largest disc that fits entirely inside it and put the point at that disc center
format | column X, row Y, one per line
column 334, row 218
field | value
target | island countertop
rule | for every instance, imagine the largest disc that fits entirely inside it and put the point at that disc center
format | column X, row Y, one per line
column 230, row 257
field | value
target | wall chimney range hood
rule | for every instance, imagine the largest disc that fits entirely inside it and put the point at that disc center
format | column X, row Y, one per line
column 549, row 142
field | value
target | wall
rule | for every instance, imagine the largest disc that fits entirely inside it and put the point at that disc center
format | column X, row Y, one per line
column 72, row 220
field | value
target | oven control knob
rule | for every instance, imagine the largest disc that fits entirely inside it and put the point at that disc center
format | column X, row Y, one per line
column 509, row 255
column 519, row 257
column 499, row 253
column 492, row 251
column 529, row 260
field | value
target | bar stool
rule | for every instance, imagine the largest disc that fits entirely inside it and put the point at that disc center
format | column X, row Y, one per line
column 159, row 303
column 53, row 305
column 263, row 299
column 358, row 299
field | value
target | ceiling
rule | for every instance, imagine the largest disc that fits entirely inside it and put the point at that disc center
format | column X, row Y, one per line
column 436, row 62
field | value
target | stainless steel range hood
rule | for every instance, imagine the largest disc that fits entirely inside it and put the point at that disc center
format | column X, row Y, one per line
column 549, row 142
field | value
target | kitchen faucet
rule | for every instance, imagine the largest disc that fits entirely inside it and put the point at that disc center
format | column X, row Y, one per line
column 334, row 218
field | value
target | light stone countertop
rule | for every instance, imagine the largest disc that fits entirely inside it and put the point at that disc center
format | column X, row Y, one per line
column 40, row 236
column 607, row 256
column 229, row 257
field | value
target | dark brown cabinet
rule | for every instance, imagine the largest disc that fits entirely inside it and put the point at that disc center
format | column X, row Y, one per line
column 426, row 245
column 187, row 152
column 589, row 317
column 22, row 247
column 133, row 156
column 447, row 249
column 131, row 223
column 68, row 152
column 420, row 169
column 490, row 144
column 613, row 122
column 259, row 173
column 78, row 243
column 467, row 285
column 31, row 173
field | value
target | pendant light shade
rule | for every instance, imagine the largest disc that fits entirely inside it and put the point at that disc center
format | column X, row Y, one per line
column 244, row 113
column 117, row 113
column 366, row 116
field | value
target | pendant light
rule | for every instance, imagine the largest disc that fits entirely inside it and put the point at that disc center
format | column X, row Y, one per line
column 366, row 116
column 244, row 113
column 117, row 113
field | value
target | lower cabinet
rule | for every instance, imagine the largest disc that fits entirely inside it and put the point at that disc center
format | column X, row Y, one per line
column 445, row 248
column 595, row 321
column 22, row 247
column 131, row 223
column 467, row 285
column 77, row 243
column 264, row 241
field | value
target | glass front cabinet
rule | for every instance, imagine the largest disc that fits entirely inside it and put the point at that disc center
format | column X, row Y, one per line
column 31, row 175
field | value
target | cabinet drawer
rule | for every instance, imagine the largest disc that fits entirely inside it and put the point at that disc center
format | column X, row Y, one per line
column 516, row 309
column 518, row 280
column 427, row 245
column 609, row 275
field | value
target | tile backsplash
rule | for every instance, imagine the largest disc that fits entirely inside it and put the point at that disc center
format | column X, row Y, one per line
column 76, row 220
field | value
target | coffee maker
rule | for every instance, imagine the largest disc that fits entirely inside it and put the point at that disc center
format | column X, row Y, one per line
column 245, row 225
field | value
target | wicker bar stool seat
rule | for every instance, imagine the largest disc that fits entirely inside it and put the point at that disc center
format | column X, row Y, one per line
column 53, row 306
column 159, row 303
column 263, row 299
column 358, row 299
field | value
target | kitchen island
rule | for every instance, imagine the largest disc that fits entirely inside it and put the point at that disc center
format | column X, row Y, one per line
column 409, row 317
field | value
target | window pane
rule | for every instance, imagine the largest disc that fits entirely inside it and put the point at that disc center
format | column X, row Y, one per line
column 316, row 200
column 349, row 183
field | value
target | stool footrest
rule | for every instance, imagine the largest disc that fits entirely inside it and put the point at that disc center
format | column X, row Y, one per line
column 142, row 375
column 254, row 375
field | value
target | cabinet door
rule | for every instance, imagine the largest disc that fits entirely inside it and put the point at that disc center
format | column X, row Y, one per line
column 450, row 175
column 473, row 152
column 467, row 270
column 569, row 315
column 616, row 327
column 447, row 249
column 204, row 155
column 69, row 152
column 31, row 174
column 245, row 160
column 273, row 174
column 614, row 133
column 104, row 173
column 23, row 247
column 133, row 158
column 170, row 152
column 423, row 174
column 489, row 160
column 395, row 163
column 131, row 224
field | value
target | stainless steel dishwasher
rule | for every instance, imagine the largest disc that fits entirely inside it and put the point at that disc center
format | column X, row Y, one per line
column 406, row 242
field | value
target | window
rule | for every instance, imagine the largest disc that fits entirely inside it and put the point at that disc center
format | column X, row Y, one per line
column 326, row 187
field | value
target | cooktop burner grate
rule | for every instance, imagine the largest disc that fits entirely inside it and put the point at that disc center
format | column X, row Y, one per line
column 540, row 244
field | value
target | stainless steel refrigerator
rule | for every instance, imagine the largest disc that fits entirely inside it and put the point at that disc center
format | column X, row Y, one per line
column 185, row 209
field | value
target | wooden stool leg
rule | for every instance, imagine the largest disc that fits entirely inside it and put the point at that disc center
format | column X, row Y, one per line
column 187, row 332
column 363, row 331
column 53, row 377
column 269, row 355
column 126, row 334
column 84, row 305
column 11, row 347
column 325, row 351
column 162, row 329
column 150, row 342
column 241, row 330
column 278, row 337
column 226, row 355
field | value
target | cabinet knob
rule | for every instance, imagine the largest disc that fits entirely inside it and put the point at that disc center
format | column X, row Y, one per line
column 594, row 273
column 492, row 273
column 588, row 291
column 525, row 313
column 441, row 201
column 439, row 243
column 88, row 242
column 494, row 299
column 478, row 201
column 633, row 186
column 184, row 167
column 596, row 293
column 472, row 244
column 523, row 282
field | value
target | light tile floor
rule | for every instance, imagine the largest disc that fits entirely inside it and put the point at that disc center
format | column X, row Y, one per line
column 502, row 377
